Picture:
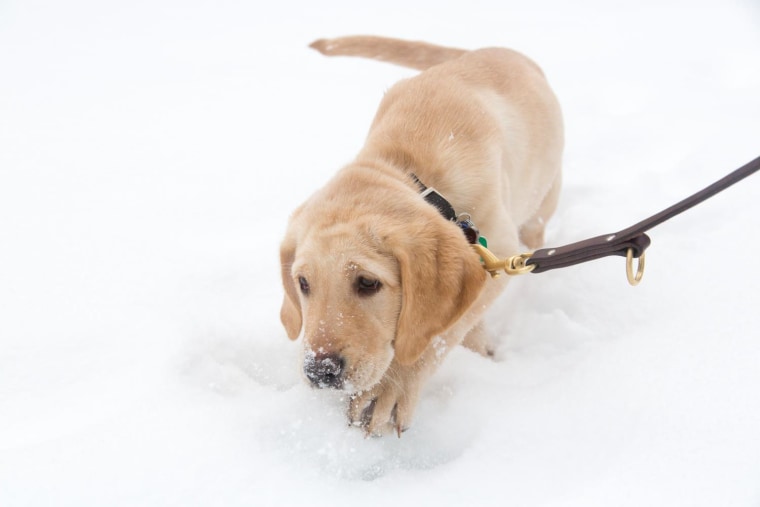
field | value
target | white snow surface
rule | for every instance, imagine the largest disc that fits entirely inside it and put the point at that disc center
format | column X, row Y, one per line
column 150, row 154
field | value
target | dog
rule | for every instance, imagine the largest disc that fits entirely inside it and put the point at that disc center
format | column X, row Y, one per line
column 380, row 285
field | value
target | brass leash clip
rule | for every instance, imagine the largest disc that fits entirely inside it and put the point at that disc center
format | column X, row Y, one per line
column 514, row 265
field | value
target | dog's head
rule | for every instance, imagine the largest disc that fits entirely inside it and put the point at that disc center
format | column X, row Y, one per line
column 369, row 285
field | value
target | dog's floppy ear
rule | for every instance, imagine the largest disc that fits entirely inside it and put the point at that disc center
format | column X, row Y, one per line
column 441, row 277
column 290, row 313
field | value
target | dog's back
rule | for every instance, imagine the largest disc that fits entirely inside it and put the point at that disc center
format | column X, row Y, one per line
column 466, row 120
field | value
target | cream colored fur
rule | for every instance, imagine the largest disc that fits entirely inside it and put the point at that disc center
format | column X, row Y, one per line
column 483, row 128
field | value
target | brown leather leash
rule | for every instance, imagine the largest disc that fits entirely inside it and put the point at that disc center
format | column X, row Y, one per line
column 630, row 243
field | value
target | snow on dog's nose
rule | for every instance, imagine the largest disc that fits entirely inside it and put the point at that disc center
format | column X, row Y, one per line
column 324, row 370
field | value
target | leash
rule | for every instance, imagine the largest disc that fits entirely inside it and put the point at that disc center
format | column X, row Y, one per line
column 630, row 243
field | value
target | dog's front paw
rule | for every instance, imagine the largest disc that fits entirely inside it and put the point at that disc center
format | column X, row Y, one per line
column 387, row 407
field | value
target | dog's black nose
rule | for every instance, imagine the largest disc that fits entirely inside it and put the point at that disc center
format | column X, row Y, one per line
column 324, row 370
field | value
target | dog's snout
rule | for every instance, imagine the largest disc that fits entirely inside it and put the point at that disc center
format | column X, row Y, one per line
column 325, row 370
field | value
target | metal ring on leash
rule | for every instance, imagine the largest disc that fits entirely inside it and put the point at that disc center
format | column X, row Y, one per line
column 634, row 279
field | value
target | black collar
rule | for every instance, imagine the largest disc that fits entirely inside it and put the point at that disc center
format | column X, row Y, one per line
column 448, row 212
column 432, row 196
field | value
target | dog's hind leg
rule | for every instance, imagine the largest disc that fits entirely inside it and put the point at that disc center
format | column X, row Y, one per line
column 532, row 231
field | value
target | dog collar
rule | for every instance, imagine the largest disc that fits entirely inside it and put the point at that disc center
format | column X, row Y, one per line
column 445, row 208
column 432, row 196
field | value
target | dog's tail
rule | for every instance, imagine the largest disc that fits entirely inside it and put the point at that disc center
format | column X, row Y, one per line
column 413, row 54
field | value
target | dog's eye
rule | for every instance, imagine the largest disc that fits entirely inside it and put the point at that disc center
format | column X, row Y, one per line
column 367, row 286
column 304, row 285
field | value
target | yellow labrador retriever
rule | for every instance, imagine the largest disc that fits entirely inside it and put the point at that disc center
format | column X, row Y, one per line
column 380, row 284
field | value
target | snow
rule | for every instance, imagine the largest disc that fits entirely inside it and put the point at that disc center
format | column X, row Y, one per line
column 150, row 153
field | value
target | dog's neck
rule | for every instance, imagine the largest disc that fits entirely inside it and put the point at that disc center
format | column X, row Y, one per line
column 430, row 194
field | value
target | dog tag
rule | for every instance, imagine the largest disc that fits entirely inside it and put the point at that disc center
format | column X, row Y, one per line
column 470, row 231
